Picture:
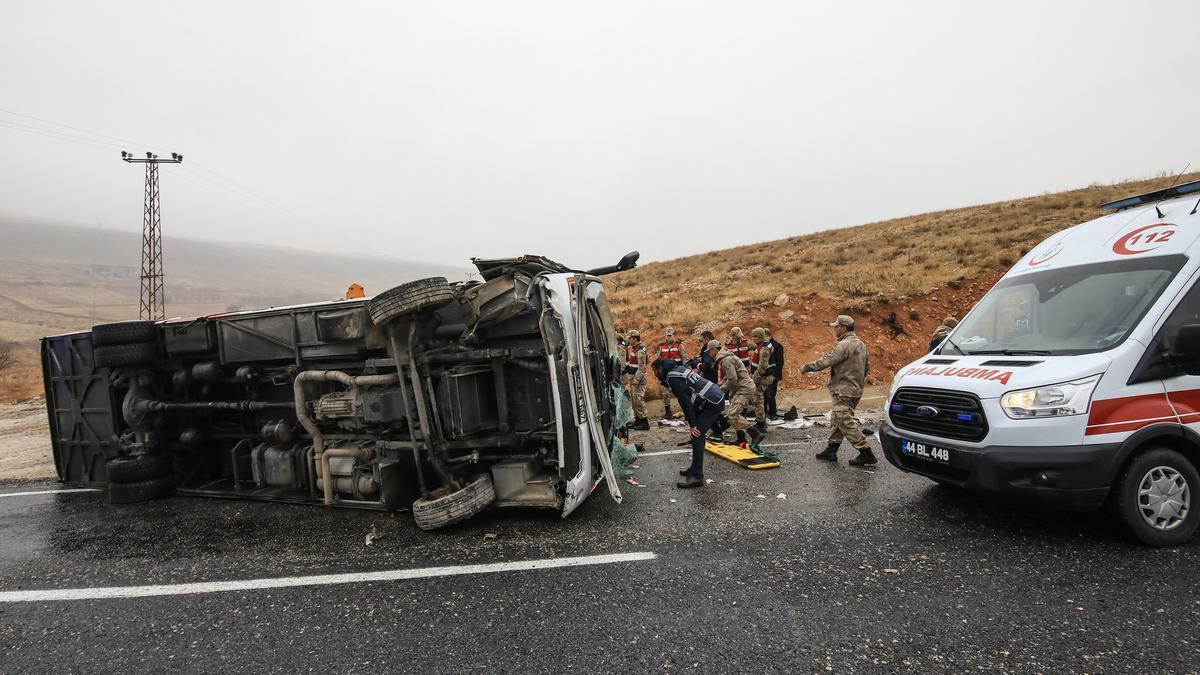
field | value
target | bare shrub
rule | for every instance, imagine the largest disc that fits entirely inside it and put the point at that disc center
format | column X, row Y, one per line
column 8, row 357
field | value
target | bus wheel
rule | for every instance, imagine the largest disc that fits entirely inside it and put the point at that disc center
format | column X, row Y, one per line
column 447, row 509
column 1157, row 497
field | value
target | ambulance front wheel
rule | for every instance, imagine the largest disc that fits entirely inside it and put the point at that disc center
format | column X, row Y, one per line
column 1157, row 496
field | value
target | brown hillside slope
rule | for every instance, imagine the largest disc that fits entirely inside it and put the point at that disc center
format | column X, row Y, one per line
column 899, row 278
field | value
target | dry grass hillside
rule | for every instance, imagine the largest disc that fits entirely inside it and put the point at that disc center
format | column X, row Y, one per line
column 899, row 277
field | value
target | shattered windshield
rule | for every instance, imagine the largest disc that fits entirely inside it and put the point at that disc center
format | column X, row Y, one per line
column 1073, row 310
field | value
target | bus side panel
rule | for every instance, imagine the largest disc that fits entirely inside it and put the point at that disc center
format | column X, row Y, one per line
column 84, row 415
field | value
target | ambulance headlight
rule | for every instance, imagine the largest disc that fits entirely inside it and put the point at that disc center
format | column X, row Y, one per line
column 1056, row 400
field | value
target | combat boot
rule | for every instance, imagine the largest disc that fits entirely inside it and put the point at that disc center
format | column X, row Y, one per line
column 829, row 454
column 865, row 458
column 641, row 424
column 761, row 425
column 756, row 435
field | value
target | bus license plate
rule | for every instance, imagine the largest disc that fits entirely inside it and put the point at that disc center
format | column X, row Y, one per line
column 930, row 453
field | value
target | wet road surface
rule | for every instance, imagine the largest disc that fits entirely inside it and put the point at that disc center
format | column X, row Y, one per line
column 849, row 570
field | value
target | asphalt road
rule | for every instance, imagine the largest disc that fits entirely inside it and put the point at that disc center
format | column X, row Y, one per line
column 849, row 570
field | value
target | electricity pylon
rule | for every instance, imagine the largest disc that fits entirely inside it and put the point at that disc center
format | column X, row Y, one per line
column 153, row 304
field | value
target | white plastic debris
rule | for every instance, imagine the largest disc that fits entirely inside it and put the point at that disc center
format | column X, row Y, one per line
column 780, row 496
column 709, row 480
column 797, row 424
column 760, row 496
column 673, row 501
column 372, row 535
column 777, row 423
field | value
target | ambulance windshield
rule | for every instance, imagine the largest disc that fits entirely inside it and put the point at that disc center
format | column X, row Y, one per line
column 1072, row 310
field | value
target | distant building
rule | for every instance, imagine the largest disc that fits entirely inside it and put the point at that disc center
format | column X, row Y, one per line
column 113, row 271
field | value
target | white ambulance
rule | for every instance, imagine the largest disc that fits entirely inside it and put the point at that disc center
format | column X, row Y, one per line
column 1075, row 382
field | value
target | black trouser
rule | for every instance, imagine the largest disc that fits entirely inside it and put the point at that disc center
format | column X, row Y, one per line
column 705, row 417
column 770, row 407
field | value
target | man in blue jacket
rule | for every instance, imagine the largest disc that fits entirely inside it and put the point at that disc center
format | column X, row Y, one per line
column 701, row 401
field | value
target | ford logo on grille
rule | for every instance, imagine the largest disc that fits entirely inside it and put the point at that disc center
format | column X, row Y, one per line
column 928, row 411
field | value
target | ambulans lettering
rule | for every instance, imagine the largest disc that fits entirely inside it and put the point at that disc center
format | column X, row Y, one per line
column 989, row 374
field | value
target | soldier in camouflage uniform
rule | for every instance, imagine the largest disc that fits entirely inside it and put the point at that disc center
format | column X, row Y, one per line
column 848, row 366
column 763, row 378
column 739, row 389
column 637, row 380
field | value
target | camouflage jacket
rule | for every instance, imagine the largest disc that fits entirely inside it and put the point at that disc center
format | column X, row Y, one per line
column 733, row 374
column 848, row 365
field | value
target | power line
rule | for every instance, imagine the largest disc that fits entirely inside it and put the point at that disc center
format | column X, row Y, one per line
column 50, row 133
column 123, row 141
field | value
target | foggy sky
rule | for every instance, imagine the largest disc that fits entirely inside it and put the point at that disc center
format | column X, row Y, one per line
column 444, row 130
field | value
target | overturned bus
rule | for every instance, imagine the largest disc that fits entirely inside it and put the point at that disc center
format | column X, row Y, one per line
column 445, row 399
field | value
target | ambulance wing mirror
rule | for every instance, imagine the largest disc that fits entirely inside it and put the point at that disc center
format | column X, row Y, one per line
column 1186, row 351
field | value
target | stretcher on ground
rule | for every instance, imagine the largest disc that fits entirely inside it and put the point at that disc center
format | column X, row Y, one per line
column 745, row 457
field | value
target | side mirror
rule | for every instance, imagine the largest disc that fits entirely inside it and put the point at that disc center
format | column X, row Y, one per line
column 1185, row 352
column 627, row 263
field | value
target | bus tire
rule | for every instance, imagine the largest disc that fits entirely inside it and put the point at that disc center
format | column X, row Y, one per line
column 446, row 510
column 124, row 333
column 409, row 298
column 139, row 468
column 142, row 491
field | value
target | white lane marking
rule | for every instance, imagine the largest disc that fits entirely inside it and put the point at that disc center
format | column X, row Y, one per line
column 664, row 452
column 110, row 592
column 47, row 492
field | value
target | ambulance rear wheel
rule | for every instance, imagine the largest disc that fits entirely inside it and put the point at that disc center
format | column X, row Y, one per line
column 1156, row 496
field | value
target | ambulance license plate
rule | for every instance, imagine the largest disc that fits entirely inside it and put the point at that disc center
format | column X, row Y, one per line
column 930, row 453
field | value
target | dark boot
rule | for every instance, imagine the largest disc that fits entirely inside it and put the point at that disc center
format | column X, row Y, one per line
column 865, row 458
column 741, row 438
column 691, row 482
column 830, row 452
column 641, row 424
column 761, row 425
column 756, row 435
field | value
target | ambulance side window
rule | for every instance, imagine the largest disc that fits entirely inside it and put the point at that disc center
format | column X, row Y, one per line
column 1186, row 312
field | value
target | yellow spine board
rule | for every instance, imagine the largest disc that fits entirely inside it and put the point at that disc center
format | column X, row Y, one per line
column 743, row 457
